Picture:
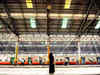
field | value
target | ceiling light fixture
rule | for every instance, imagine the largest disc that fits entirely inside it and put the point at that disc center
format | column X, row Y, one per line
column 98, row 25
column 29, row 4
column 64, row 23
column 67, row 4
column 32, row 22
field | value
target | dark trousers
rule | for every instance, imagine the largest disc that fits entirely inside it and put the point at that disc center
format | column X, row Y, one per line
column 51, row 68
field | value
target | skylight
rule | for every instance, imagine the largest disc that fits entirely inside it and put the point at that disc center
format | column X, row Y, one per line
column 98, row 25
column 32, row 22
column 64, row 23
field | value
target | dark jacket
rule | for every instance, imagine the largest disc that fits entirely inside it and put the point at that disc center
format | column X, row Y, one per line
column 51, row 57
column 51, row 65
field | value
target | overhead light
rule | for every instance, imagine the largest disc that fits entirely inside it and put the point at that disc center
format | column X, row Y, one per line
column 32, row 22
column 67, row 4
column 52, row 15
column 29, row 4
column 64, row 23
column 98, row 25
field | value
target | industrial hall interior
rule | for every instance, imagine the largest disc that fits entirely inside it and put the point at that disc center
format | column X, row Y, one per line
column 49, row 37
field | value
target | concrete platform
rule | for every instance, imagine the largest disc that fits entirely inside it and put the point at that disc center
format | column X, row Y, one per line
column 44, row 71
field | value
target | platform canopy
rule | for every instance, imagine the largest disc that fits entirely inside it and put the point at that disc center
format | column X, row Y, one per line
column 50, row 16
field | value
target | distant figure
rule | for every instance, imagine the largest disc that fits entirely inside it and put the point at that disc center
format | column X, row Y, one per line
column 40, row 60
column 51, row 63
column 66, row 61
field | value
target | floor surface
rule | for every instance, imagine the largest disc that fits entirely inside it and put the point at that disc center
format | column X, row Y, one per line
column 44, row 71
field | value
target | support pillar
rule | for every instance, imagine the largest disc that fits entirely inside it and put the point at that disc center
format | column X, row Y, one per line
column 48, row 48
column 16, row 51
column 79, row 52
